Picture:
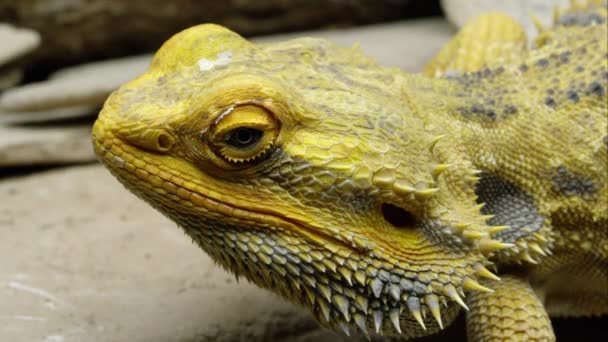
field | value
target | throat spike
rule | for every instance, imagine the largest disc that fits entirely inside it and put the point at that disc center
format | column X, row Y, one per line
column 483, row 272
column 360, row 322
column 497, row 229
column 413, row 304
column 487, row 246
column 378, row 318
column 433, row 303
column 344, row 328
column 472, row 285
column 394, row 316
column 450, row 291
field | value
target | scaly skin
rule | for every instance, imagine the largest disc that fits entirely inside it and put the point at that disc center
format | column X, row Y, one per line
column 376, row 198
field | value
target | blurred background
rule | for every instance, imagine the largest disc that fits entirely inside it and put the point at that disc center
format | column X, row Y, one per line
column 80, row 258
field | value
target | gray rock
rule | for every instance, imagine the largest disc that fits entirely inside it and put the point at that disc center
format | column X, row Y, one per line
column 48, row 117
column 16, row 42
column 459, row 12
column 45, row 145
column 78, row 30
column 83, row 85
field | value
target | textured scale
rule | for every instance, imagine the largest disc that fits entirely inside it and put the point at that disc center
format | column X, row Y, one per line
column 383, row 201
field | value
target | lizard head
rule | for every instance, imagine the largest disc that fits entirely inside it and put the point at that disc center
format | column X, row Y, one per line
column 303, row 167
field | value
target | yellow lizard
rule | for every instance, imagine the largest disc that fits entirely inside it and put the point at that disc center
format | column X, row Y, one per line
column 375, row 198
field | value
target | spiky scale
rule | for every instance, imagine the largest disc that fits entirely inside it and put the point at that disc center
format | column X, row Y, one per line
column 394, row 291
column 308, row 279
column 434, row 142
column 344, row 328
column 497, row 229
column 439, row 169
column 536, row 248
column 488, row 246
column 325, row 309
column 393, row 314
column 378, row 318
column 413, row 305
column 347, row 274
column 325, row 291
column 432, row 301
column 425, row 194
column 343, row 305
column 361, row 323
column 377, row 285
column 362, row 302
column 472, row 285
column 471, row 234
column 482, row 271
column 360, row 277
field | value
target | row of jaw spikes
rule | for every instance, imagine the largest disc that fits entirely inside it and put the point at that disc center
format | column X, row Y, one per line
column 591, row 7
column 349, row 310
column 344, row 289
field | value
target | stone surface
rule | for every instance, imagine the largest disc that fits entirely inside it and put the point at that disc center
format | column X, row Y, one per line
column 81, row 259
column 461, row 11
column 60, row 144
column 90, row 84
column 47, row 117
column 79, row 30
column 16, row 42
column 81, row 85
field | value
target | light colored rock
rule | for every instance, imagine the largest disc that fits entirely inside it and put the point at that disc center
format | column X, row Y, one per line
column 81, row 259
column 45, row 145
column 16, row 42
column 84, row 85
column 459, row 12
column 407, row 44
column 47, row 117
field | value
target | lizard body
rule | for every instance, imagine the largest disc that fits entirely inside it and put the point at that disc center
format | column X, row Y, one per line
column 377, row 198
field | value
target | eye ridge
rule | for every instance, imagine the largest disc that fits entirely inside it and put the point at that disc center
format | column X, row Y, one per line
column 244, row 137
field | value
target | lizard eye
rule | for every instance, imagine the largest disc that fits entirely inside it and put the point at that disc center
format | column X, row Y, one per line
column 245, row 134
column 244, row 137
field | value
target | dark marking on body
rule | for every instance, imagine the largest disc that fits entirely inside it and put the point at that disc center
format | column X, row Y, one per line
column 595, row 88
column 570, row 184
column 550, row 102
column 580, row 19
column 510, row 110
column 510, row 205
column 572, row 96
column 543, row 63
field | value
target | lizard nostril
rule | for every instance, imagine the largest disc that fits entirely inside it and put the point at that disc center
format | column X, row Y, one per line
column 164, row 142
column 398, row 217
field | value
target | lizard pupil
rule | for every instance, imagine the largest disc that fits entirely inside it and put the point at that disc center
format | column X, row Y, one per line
column 244, row 137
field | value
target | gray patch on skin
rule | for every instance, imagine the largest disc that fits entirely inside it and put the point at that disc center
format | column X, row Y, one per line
column 510, row 205
column 580, row 19
column 596, row 88
column 570, row 184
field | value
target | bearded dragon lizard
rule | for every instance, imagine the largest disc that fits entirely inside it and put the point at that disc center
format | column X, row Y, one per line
column 381, row 200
